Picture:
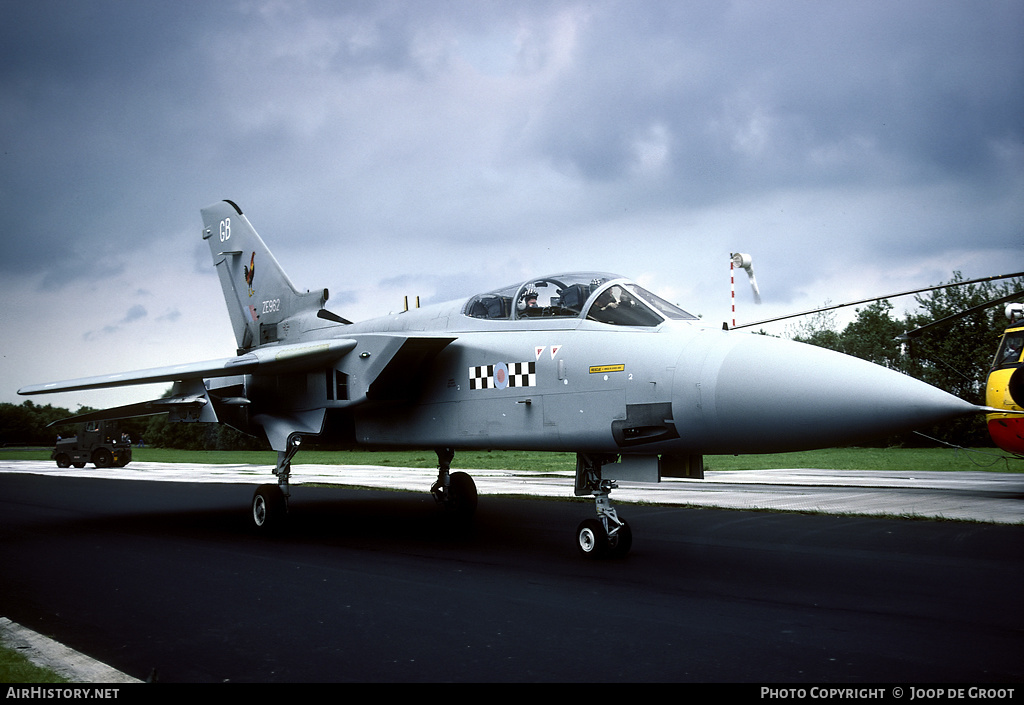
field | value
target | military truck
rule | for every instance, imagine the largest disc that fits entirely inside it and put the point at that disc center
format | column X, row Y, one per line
column 98, row 442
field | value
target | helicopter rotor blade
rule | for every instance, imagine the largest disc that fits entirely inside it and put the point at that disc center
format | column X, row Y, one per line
column 956, row 316
column 878, row 298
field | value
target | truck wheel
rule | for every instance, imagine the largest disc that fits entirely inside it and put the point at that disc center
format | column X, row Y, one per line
column 102, row 458
column 63, row 461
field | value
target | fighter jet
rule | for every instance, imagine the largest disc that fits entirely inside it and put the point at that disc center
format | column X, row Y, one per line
column 586, row 362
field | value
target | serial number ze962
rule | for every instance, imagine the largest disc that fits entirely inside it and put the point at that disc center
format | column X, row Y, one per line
column 272, row 306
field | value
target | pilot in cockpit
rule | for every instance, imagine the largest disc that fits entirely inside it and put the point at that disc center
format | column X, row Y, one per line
column 528, row 300
column 610, row 299
column 616, row 306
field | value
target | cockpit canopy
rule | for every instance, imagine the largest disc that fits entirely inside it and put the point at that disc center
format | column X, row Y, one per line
column 599, row 296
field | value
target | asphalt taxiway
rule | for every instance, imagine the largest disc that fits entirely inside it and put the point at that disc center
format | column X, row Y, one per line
column 373, row 586
column 167, row 579
column 964, row 496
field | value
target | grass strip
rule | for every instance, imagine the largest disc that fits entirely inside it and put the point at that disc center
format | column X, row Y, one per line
column 887, row 459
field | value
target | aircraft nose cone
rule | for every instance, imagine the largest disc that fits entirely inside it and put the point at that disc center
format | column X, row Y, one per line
column 756, row 394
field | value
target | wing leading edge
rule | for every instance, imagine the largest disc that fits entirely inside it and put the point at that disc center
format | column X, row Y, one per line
column 271, row 360
column 395, row 377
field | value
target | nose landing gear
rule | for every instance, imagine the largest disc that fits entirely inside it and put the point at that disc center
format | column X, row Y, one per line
column 607, row 536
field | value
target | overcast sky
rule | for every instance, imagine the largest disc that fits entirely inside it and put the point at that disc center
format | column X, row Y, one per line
column 441, row 148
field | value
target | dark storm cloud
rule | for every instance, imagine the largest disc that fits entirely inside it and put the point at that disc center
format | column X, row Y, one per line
column 132, row 315
column 765, row 95
column 89, row 93
column 119, row 119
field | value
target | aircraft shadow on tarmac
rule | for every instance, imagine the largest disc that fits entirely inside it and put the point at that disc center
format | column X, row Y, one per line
column 353, row 518
column 713, row 543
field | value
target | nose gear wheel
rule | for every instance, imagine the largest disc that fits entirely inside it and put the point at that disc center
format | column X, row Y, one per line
column 606, row 536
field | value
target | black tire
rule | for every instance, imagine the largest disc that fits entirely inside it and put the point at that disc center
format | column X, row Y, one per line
column 621, row 542
column 462, row 496
column 102, row 458
column 591, row 539
column 268, row 508
column 63, row 461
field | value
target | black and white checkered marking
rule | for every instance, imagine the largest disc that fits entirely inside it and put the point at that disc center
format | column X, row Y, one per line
column 499, row 376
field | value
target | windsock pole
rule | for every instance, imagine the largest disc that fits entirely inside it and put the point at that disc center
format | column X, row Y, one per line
column 732, row 287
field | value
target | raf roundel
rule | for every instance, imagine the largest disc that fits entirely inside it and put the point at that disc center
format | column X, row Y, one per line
column 500, row 375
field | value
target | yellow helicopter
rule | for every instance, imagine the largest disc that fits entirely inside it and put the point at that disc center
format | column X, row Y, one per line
column 1005, row 388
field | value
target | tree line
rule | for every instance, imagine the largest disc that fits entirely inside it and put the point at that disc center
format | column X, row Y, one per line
column 27, row 424
column 956, row 358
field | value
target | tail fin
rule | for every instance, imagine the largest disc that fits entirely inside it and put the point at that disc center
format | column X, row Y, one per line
column 261, row 299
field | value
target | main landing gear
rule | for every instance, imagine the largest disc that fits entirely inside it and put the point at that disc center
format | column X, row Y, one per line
column 607, row 536
column 270, row 502
column 455, row 491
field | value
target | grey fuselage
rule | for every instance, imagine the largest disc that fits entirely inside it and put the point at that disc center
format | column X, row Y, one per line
column 678, row 387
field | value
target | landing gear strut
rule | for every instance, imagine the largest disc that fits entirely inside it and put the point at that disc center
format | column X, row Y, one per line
column 270, row 502
column 607, row 536
column 455, row 491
